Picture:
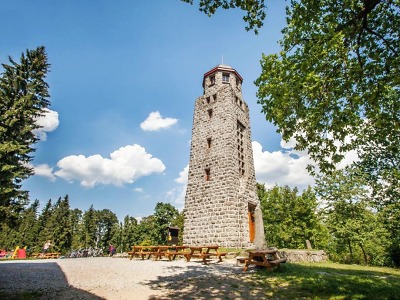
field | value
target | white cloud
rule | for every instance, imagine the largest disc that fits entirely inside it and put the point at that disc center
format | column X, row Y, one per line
column 49, row 122
column 183, row 175
column 289, row 145
column 124, row 166
column 139, row 190
column 43, row 170
column 177, row 194
column 156, row 122
column 281, row 168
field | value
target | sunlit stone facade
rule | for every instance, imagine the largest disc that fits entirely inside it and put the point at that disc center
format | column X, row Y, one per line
column 221, row 204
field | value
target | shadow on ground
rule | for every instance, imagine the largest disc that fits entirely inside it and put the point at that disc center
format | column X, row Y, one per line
column 212, row 281
column 24, row 280
column 290, row 281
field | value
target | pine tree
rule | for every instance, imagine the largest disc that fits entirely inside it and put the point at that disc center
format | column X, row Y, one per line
column 60, row 222
column 23, row 97
column 29, row 227
column 89, row 227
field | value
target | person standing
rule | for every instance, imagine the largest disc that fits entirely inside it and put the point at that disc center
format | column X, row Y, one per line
column 46, row 247
column 111, row 250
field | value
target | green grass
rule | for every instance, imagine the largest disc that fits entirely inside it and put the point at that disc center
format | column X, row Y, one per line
column 21, row 295
column 329, row 281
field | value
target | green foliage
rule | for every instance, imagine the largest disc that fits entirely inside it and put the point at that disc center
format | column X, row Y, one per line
column 45, row 228
column 290, row 219
column 358, row 233
column 129, row 234
column 28, row 228
column 106, row 222
column 164, row 216
column 89, row 227
column 77, row 228
column 60, row 226
column 336, row 77
column 256, row 10
column 23, row 97
column 335, row 88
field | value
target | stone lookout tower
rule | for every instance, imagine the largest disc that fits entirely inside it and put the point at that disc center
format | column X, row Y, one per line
column 221, row 204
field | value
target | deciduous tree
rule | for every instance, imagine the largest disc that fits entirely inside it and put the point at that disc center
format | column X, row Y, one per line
column 357, row 231
column 291, row 219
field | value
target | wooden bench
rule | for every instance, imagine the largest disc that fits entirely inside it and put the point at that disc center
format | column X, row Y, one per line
column 213, row 250
column 204, row 252
column 203, row 256
column 50, row 255
column 174, row 251
column 144, row 251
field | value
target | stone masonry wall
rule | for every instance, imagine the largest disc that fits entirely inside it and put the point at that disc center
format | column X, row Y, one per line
column 216, row 210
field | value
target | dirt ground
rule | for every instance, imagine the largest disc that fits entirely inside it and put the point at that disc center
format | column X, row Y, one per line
column 121, row 278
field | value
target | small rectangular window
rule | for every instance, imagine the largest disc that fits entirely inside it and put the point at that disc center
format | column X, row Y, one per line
column 209, row 143
column 207, row 174
column 208, row 100
column 237, row 82
column 210, row 112
column 212, row 80
column 225, row 77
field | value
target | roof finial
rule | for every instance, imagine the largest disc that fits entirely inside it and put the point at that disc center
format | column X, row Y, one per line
column 222, row 58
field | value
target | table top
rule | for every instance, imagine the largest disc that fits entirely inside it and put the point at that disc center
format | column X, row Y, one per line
column 261, row 252
column 204, row 247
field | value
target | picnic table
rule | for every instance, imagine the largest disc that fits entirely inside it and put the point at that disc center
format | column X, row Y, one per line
column 142, row 251
column 174, row 251
column 47, row 255
column 204, row 252
column 264, row 258
column 168, row 251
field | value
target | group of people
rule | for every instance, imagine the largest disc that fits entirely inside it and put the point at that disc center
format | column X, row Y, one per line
column 111, row 249
column 46, row 247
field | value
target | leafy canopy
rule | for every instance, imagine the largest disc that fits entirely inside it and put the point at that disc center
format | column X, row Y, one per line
column 255, row 10
column 335, row 78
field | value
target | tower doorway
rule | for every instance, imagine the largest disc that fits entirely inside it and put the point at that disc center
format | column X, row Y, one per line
column 252, row 223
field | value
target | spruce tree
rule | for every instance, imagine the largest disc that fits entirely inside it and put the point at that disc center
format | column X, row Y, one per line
column 23, row 97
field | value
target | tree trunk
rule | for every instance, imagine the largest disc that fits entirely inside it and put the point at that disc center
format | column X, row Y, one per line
column 364, row 254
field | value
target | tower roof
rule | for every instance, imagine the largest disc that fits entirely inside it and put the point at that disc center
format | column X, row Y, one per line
column 222, row 67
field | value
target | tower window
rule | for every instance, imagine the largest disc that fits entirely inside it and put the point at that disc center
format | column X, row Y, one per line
column 237, row 83
column 207, row 174
column 210, row 112
column 215, row 97
column 209, row 143
column 208, row 100
column 225, row 77
column 240, row 130
column 212, row 80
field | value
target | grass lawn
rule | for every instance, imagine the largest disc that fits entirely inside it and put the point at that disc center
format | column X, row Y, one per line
column 328, row 281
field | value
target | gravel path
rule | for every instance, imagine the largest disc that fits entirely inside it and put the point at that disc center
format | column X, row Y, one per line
column 121, row 278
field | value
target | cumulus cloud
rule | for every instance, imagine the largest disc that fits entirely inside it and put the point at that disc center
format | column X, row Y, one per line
column 124, row 166
column 155, row 122
column 281, row 168
column 183, row 175
column 177, row 194
column 48, row 122
column 43, row 170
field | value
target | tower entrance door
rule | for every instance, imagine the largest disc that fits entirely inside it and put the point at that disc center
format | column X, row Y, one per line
column 252, row 223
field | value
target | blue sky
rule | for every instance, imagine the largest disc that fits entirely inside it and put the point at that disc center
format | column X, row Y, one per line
column 123, row 82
